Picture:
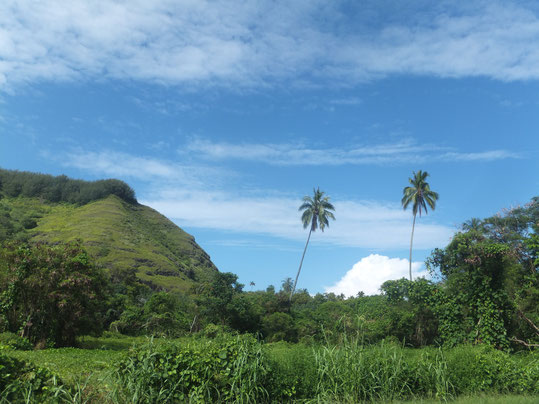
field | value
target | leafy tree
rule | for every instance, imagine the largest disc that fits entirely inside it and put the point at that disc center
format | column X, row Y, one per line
column 518, row 229
column 419, row 194
column 279, row 326
column 475, row 271
column 164, row 314
column 418, row 299
column 50, row 294
column 216, row 296
column 246, row 312
column 317, row 210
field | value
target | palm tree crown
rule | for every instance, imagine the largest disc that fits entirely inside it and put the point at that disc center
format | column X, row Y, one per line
column 316, row 213
column 419, row 194
column 317, row 210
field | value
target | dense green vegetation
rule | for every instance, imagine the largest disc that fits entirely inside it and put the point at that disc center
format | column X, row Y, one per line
column 61, row 188
column 132, row 242
column 70, row 270
column 238, row 368
column 50, row 294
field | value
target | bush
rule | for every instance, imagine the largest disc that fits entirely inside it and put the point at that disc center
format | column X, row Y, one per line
column 51, row 293
column 475, row 369
column 23, row 382
column 11, row 340
column 225, row 369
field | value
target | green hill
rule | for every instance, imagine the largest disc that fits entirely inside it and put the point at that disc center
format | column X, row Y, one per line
column 121, row 235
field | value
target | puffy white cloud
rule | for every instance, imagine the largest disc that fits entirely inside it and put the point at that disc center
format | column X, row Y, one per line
column 371, row 272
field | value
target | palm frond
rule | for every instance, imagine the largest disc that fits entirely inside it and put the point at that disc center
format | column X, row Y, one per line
column 316, row 210
column 419, row 194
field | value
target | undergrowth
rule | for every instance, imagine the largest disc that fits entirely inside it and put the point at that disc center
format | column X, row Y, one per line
column 241, row 369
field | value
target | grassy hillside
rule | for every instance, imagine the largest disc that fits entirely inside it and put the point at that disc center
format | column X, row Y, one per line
column 120, row 236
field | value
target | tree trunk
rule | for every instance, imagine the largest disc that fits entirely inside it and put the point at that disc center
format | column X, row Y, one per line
column 300, row 264
column 411, row 243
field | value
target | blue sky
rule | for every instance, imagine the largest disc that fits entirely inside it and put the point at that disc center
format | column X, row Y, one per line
column 222, row 115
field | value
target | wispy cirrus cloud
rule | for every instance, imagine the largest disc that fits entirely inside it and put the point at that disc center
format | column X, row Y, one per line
column 230, row 43
column 364, row 224
column 289, row 154
column 148, row 169
column 490, row 155
column 192, row 196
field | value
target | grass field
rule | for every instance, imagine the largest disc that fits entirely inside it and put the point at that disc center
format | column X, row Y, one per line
column 481, row 399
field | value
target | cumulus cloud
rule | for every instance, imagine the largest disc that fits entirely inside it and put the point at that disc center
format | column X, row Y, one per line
column 287, row 154
column 371, row 272
column 262, row 43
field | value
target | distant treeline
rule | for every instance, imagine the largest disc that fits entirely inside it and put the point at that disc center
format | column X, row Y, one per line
column 61, row 188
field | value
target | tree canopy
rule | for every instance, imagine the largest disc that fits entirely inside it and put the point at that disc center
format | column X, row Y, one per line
column 61, row 188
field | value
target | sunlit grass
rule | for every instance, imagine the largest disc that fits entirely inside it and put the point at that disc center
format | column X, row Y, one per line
column 346, row 373
column 480, row 399
column 119, row 235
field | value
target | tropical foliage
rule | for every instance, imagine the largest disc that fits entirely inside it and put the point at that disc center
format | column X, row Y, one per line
column 61, row 188
column 50, row 294
column 476, row 321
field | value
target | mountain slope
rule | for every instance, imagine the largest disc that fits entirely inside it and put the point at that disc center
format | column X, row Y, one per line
column 121, row 236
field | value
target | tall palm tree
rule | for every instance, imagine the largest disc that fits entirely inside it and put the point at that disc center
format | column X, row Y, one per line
column 419, row 195
column 317, row 211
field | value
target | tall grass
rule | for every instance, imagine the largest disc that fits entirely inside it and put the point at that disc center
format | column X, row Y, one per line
column 242, row 369
column 352, row 372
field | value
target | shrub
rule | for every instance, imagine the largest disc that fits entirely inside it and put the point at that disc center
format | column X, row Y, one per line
column 23, row 382
column 225, row 369
column 11, row 340
column 52, row 293
column 476, row 369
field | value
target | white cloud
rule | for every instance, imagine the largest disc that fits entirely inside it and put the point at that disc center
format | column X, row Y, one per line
column 124, row 165
column 261, row 43
column 371, row 272
column 480, row 156
column 359, row 223
column 406, row 151
column 194, row 196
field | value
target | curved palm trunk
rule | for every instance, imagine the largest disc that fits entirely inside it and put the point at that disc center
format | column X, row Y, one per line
column 411, row 243
column 300, row 264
